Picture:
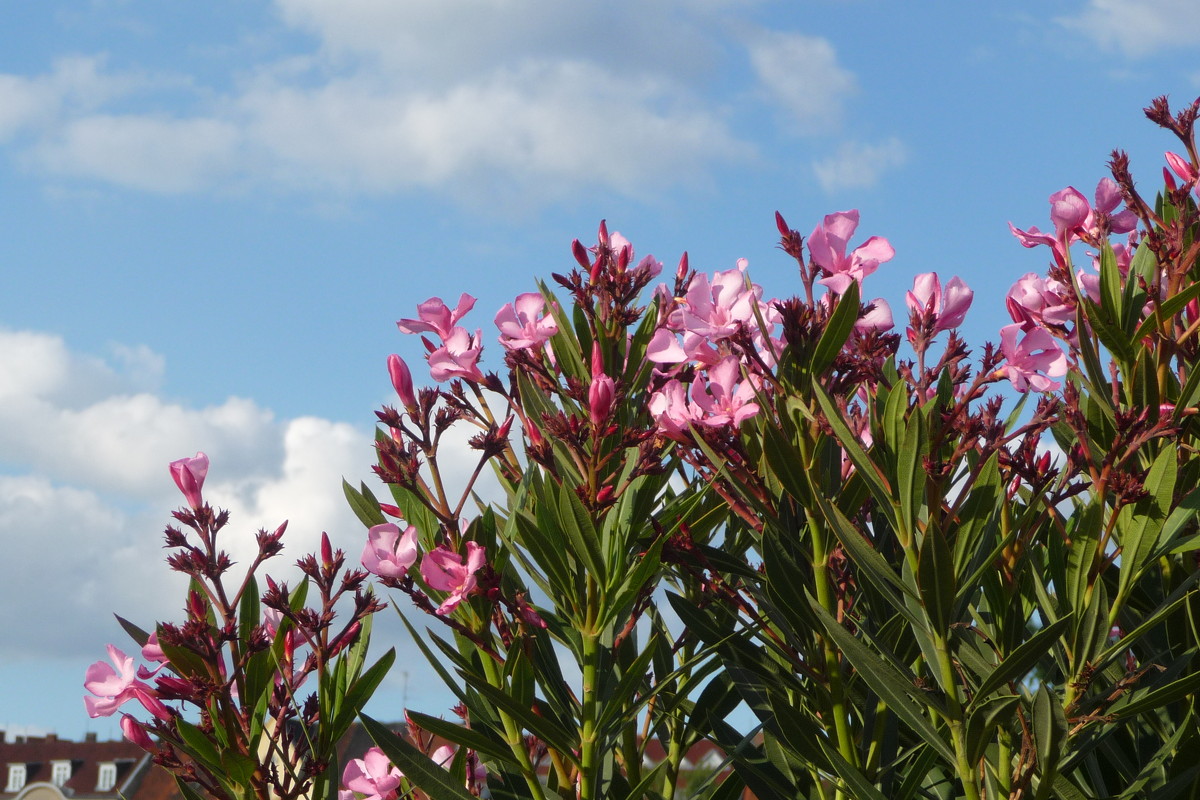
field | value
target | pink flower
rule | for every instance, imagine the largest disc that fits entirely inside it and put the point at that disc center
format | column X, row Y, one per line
column 664, row 348
column 457, row 358
column 1035, row 301
column 436, row 317
column 447, row 571
column 1032, row 361
column 402, row 381
column 717, row 309
column 827, row 246
column 189, row 476
column 444, row 757
column 877, row 318
column 949, row 309
column 113, row 688
column 388, row 553
column 722, row 403
column 136, row 733
column 151, row 651
column 1068, row 211
column 673, row 412
column 1108, row 197
column 522, row 323
column 372, row 776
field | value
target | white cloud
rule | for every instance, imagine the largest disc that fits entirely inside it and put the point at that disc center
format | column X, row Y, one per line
column 147, row 152
column 802, row 76
column 1139, row 27
column 535, row 127
column 497, row 101
column 86, row 491
column 74, row 85
column 857, row 165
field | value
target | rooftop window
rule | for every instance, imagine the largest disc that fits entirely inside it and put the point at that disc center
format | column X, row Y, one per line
column 16, row 778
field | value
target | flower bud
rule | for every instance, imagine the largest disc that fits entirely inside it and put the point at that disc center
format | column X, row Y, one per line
column 402, row 382
column 189, row 474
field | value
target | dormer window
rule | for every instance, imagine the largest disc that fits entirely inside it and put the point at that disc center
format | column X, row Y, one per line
column 107, row 777
column 60, row 772
column 16, row 778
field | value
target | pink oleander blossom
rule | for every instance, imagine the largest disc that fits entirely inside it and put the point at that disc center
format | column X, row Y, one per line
column 372, row 776
column 390, row 553
column 151, row 651
column 447, row 571
column 458, row 357
column 948, row 307
column 877, row 318
column 115, row 687
column 1108, row 197
column 1032, row 359
column 189, row 474
column 717, row 309
column 673, row 412
column 434, row 316
column 523, row 323
column 724, row 400
column 1035, row 301
column 827, row 246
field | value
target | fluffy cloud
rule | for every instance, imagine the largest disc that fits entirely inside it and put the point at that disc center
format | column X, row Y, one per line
column 86, row 492
column 856, row 165
column 148, row 152
column 1139, row 27
column 498, row 101
column 801, row 75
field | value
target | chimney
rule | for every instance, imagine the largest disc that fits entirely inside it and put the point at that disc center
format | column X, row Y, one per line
column 90, row 737
column 51, row 737
column 2, row 735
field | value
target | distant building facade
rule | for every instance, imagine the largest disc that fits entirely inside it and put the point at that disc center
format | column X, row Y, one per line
column 49, row 768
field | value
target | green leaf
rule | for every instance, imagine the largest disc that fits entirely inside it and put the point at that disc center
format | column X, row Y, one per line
column 1167, row 309
column 1049, row 731
column 366, row 509
column 416, row 766
column 841, row 322
column 1021, row 661
column 982, row 721
column 862, row 462
column 1108, row 332
column 1181, row 517
column 1110, row 286
column 935, row 579
column 910, row 470
column 542, row 725
column 561, row 511
column 1149, row 700
column 464, row 737
column 1141, row 534
column 899, row 691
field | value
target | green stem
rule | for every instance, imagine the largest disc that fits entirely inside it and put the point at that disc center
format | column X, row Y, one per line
column 588, row 740
column 833, row 662
column 512, row 732
column 954, row 715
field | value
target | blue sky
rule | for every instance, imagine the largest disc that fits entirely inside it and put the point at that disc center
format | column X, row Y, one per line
column 212, row 215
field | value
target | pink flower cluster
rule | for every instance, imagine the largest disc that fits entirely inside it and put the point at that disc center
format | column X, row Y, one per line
column 390, row 553
column 458, row 354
